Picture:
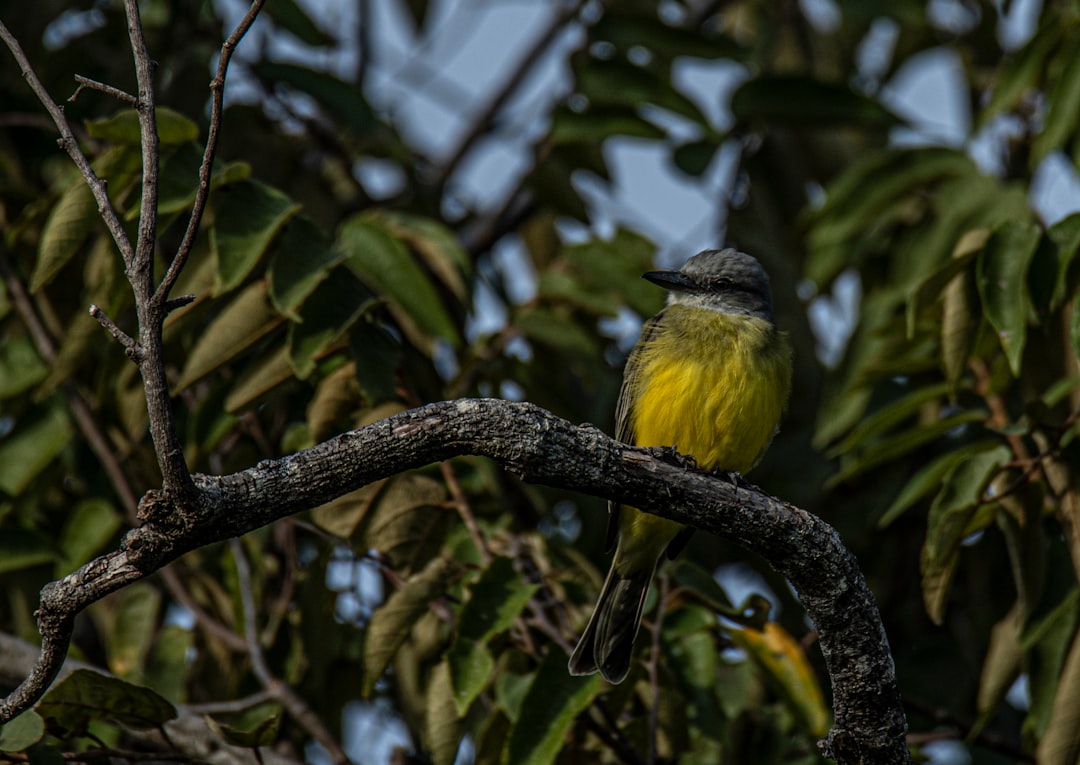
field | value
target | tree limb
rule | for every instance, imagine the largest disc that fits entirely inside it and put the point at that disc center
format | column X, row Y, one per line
column 541, row 448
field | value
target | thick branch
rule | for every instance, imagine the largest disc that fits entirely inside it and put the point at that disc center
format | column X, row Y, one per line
column 529, row 441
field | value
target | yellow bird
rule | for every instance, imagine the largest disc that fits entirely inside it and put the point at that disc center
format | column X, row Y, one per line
column 710, row 376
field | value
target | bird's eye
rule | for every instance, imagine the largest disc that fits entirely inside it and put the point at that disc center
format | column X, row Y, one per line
column 721, row 283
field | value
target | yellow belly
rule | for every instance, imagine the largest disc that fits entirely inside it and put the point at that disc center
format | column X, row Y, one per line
column 712, row 385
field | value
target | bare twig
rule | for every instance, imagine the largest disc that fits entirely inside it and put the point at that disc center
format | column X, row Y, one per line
column 281, row 692
column 234, row 705
column 461, row 504
column 653, row 667
column 217, row 91
column 141, row 272
column 484, row 122
column 87, row 83
column 131, row 346
column 69, row 144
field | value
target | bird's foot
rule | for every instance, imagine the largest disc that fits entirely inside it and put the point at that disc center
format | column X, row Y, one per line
column 672, row 456
column 734, row 477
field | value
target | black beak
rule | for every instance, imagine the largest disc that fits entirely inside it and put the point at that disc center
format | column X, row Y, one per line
column 675, row 281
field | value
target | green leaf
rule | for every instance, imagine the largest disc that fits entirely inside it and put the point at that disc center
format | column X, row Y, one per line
column 70, row 223
column 554, row 700
column 288, row 15
column 891, row 415
column 384, row 263
column 894, row 447
column 1062, row 105
column 378, row 355
column 173, row 128
column 179, row 180
column 615, row 266
column 301, row 260
column 694, row 157
column 247, row 217
column 1001, row 276
column 335, row 305
column 865, row 193
column 560, row 286
column 133, row 630
column 259, row 379
column 1001, row 665
column 1059, row 744
column 436, row 245
column 960, row 320
column 1074, row 329
column 1046, row 641
column 442, row 727
column 21, row 732
column 787, row 668
column 20, row 366
column 948, row 523
column 804, row 101
column 632, row 27
column 257, row 726
column 598, row 123
column 558, row 331
column 342, row 516
column 1065, row 235
column 408, row 521
column 929, row 478
column 495, row 600
column 701, row 586
column 392, row 622
column 342, row 100
column 510, row 691
column 92, row 525
column 84, row 696
column 1020, row 73
column 31, row 447
column 617, row 82
column 167, row 664
column 244, row 321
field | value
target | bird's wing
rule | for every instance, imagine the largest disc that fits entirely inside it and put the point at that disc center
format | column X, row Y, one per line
column 627, row 395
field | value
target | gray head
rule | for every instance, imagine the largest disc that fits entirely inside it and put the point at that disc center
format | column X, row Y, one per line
column 726, row 280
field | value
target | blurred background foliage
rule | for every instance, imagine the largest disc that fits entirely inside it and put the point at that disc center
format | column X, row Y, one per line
column 435, row 608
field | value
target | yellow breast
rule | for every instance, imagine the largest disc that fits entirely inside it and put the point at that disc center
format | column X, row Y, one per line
column 712, row 385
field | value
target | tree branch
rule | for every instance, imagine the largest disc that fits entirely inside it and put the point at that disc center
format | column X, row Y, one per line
column 484, row 122
column 69, row 144
column 541, row 448
column 202, row 194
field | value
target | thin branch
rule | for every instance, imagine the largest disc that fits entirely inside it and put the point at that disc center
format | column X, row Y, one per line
column 541, row 448
column 653, row 667
column 282, row 692
column 235, row 705
column 132, row 349
column 484, row 122
column 141, row 272
column 461, row 504
column 86, row 83
column 217, row 91
column 69, row 144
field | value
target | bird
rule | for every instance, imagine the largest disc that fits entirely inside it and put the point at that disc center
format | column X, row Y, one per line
column 710, row 376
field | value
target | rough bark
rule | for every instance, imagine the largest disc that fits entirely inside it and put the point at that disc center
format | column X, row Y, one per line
column 869, row 724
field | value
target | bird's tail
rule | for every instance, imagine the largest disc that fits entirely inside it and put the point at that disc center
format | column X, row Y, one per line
column 607, row 645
